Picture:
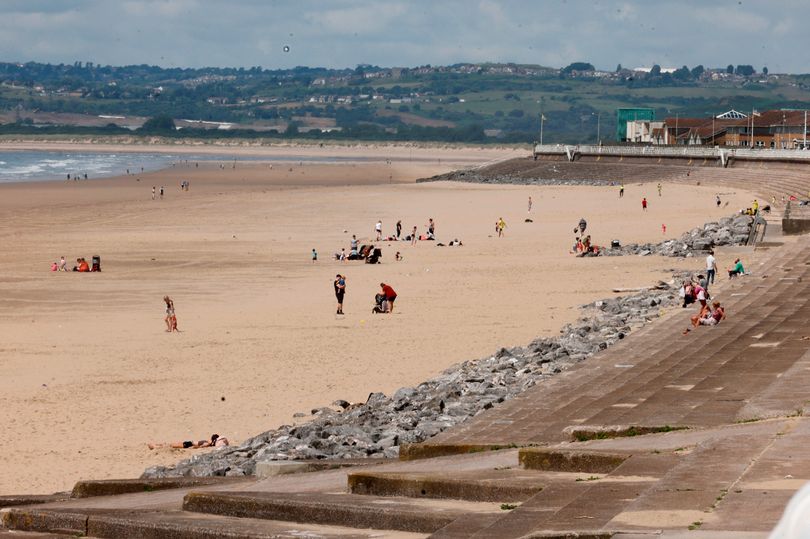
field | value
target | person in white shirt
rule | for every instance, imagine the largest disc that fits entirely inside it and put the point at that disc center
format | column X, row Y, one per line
column 711, row 267
column 378, row 229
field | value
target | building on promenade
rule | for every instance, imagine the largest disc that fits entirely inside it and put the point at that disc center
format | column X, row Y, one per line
column 775, row 129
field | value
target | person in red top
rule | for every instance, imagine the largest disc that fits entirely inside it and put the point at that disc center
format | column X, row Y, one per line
column 390, row 296
column 644, row 203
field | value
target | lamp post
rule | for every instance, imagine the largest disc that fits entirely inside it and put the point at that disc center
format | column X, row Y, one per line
column 598, row 126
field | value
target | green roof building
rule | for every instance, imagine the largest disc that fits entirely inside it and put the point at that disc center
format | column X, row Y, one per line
column 630, row 115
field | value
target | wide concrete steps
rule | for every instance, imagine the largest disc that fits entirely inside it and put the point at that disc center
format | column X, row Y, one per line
column 661, row 378
column 123, row 524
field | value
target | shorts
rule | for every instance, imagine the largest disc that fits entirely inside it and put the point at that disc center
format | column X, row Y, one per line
column 187, row 444
column 390, row 300
column 339, row 296
column 711, row 321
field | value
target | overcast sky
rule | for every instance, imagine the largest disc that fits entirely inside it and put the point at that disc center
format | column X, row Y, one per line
column 344, row 33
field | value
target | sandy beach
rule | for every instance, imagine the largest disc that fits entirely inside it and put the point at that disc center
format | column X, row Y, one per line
column 88, row 375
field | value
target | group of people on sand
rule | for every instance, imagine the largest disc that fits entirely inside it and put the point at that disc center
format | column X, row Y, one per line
column 81, row 265
column 413, row 237
column 383, row 301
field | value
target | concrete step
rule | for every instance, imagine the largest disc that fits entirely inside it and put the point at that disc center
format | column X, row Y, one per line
column 480, row 486
column 128, row 524
column 348, row 510
column 32, row 499
column 112, row 487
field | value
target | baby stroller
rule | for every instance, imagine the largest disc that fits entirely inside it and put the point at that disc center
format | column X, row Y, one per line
column 379, row 304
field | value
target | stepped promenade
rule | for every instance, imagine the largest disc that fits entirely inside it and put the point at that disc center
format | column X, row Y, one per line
column 665, row 434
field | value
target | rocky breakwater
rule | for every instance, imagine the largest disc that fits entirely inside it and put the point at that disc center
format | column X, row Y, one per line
column 557, row 177
column 378, row 426
column 732, row 230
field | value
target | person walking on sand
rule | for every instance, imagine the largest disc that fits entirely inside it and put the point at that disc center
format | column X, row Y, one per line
column 431, row 229
column 621, row 191
column 314, row 255
column 500, row 226
column 171, row 318
column 161, row 192
column 340, row 291
column 530, row 205
column 390, row 297
column 378, row 230
column 644, row 204
column 717, row 200
column 659, row 188
column 414, row 237
column 399, row 228
column 153, row 192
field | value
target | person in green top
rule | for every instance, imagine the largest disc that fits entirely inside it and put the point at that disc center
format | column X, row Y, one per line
column 736, row 269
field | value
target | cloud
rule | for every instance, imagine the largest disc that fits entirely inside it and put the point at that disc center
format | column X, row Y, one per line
column 343, row 33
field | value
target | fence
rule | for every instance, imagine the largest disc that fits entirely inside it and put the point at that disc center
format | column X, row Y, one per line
column 695, row 152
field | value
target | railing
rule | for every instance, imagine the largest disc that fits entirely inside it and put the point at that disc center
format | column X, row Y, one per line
column 752, row 235
column 672, row 151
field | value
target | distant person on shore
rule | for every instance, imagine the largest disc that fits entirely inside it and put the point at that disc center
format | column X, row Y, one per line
column 378, row 230
column 340, row 291
column 215, row 441
column 717, row 200
column 621, row 190
column 711, row 267
column 500, row 226
column 755, row 207
column 581, row 226
column 390, row 297
column 161, row 192
column 398, row 257
column 736, row 269
column 62, row 264
column 414, row 236
column 68, row 176
column 171, row 318
column 353, row 248
column 314, row 255
column 644, row 204
column 659, row 188
column 530, row 205
column 431, row 230
column 153, row 192
column 54, row 267
column 399, row 229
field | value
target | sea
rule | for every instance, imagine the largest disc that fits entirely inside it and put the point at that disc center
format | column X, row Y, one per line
column 28, row 166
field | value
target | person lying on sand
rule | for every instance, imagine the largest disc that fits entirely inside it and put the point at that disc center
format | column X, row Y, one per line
column 216, row 441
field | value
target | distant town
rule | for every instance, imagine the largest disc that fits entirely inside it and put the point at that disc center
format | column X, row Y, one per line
column 506, row 103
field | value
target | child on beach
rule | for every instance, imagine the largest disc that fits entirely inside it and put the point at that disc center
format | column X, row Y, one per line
column 171, row 318
column 644, row 204
column 314, row 255
column 414, row 236
column 62, row 264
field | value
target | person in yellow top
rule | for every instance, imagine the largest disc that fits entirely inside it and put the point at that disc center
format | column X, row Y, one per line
column 500, row 226
column 755, row 206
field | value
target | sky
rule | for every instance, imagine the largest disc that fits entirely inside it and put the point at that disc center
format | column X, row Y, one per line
column 345, row 33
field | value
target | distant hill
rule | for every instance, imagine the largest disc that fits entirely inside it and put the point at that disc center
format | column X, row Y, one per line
column 460, row 102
